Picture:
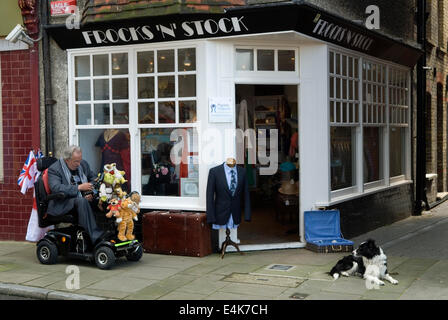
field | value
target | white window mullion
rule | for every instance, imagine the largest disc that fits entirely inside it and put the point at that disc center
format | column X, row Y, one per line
column 360, row 134
column 386, row 140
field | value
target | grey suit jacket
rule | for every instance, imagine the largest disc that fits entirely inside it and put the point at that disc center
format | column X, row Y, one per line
column 58, row 183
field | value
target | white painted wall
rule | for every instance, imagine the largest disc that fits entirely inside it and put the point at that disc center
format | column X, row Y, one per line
column 314, row 135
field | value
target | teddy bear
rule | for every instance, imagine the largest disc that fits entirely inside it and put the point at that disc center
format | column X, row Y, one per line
column 113, row 207
column 125, row 219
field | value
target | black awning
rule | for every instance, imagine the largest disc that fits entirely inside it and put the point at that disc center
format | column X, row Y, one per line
column 299, row 17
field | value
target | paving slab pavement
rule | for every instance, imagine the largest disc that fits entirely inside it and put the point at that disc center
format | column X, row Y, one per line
column 165, row 277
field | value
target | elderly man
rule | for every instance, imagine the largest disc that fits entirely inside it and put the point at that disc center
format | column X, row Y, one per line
column 72, row 176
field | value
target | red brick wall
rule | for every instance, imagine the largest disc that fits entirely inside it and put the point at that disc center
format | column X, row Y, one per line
column 15, row 208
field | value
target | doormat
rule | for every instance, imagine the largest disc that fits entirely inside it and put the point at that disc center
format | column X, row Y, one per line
column 264, row 279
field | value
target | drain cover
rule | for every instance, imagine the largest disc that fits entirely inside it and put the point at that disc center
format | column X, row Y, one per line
column 280, row 267
column 263, row 279
column 299, row 296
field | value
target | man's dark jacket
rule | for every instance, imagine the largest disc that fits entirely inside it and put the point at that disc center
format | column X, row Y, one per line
column 58, row 183
column 221, row 203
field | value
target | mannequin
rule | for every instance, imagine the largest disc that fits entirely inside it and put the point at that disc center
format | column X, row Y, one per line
column 226, row 188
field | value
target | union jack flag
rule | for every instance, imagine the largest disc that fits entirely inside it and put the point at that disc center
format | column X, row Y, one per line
column 29, row 172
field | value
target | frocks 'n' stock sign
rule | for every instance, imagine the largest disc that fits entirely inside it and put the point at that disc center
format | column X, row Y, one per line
column 302, row 18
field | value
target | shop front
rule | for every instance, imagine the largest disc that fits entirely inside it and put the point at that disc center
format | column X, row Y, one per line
column 316, row 110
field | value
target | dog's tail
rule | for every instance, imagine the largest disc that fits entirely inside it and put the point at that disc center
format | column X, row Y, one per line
column 334, row 273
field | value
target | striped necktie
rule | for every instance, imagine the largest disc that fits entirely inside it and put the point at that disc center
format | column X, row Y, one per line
column 232, row 182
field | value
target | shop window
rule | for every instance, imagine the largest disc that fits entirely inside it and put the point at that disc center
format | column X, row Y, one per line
column 397, row 147
column 161, row 90
column 257, row 59
column 398, row 118
column 167, row 95
column 374, row 119
column 373, row 154
column 103, row 146
column 343, row 157
column 169, row 162
column 368, row 103
column 101, row 89
column 245, row 59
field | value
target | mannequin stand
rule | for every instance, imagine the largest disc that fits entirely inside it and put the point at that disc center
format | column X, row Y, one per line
column 227, row 242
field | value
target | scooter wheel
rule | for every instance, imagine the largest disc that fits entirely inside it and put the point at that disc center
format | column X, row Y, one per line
column 47, row 252
column 104, row 258
column 136, row 254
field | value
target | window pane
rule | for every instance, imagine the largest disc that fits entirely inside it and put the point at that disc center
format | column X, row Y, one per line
column 165, row 61
column 286, row 60
column 373, row 167
column 245, row 59
column 265, row 60
column 396, row 153
column 120, row 88
column 186, row 59
column 166, row 87
column 146, row 88
column 82, row 66
column 145, row 62
column 187, row 111
column 187, row 86
column 120, row 63
column 164, row 172
column 120, row 113
column 100, row 147
column 82, row 88
column 342, row 157
column 167, row 112
column 83, row 115
column 101, row 65
column 101, row 113
column 101, row 89
column 146, row 112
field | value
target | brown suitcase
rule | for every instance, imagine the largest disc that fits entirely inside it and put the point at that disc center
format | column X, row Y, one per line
column 176, row 233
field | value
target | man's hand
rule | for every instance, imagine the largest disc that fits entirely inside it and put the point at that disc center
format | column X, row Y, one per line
column 87, row 186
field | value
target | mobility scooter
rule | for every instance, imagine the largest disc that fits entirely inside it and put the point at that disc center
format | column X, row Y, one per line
column 73, row 241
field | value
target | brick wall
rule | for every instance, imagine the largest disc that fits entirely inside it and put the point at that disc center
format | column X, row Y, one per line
column 436, row 87
column 15, row 208
column 370, row 212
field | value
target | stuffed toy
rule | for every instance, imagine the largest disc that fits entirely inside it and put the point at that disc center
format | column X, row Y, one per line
column 106, row 189
column 119, row 177
column 135, row 202
column 114, row 208
column 119, row 193
column 126, row 217
column 117, row 174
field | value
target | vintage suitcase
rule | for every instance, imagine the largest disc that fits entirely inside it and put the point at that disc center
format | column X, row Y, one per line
column 176, row 233
column 323, row 232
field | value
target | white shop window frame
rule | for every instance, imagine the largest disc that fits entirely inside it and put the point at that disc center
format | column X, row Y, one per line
column 259, row 76
column 361, row 188
column 152, row 202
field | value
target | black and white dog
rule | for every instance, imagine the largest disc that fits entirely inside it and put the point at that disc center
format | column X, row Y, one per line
column 368, row 260
column 347, row 266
